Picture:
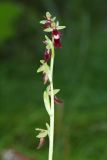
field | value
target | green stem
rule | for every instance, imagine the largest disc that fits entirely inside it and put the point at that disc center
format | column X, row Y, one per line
column 51, row 134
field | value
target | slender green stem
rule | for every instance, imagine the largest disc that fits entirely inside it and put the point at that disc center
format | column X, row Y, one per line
column 51, row 135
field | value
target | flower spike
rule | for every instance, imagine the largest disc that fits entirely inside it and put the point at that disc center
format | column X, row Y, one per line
column 52, row 27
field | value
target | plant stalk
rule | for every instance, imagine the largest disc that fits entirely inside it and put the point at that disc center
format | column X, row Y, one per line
column 51, row 134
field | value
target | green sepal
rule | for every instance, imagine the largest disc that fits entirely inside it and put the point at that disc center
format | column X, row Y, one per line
column 47, row 125
column 61, row 27
column 53, row 19
column 43, row 68
column 43, row 133
column 42, row 61
column 48, row 128
column 57, row 23
column 55, row 91
column 43, row 21
column 49, row 42
column 48, row 47
column 48, row 89
column 48, row 30
column 48, row 15
column 40, row 69
column 47, row 102
column 47, row 38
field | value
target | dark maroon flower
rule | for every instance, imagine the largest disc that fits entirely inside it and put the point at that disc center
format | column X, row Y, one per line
column 57, row 100
column 47, row 24
column 56, row 37
column 47, row 55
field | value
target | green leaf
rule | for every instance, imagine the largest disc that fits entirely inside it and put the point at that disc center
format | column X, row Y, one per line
column 47, row 102
column 43, row 22
column 61, row 27
column 48, row 30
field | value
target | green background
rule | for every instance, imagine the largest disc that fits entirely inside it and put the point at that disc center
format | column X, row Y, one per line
column 80, row 71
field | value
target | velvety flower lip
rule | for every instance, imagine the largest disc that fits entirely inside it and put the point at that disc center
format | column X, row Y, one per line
column 47, row 55
column 57, row 43
column 55, row 32
column 56, row 38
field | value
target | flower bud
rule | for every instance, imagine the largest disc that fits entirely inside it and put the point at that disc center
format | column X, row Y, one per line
column 45, row 78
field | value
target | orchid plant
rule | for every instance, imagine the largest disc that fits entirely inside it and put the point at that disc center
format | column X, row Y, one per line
column 51, row 42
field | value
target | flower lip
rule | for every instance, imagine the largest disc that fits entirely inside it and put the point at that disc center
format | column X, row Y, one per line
column 55, row 32
column 57, row 43
column 56, row 37
column 47, row 55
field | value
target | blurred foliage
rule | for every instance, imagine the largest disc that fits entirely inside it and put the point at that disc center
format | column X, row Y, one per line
column 8, row 13
column 80, row 72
